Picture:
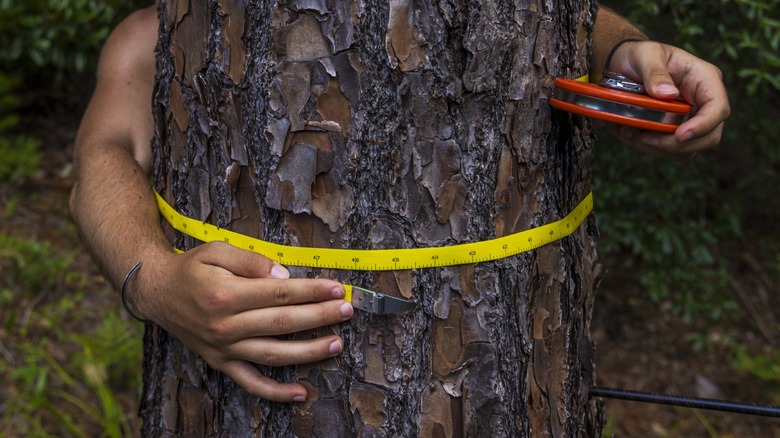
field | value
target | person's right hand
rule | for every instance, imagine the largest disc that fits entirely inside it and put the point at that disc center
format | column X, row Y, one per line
column 228, row 304
column 667, row 73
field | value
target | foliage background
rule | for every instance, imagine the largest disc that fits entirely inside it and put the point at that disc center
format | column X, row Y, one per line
column 698, row 241
column 69, row 358
column 694, row 215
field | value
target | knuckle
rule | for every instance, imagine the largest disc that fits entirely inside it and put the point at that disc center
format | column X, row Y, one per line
column 215, row 359
column 213, row 246
column 271, row 356
column 281, row 322
column 217, row 364
column 726, row 111
column 218, row 332
column 718, row 71
column 282, row 294
column 219, row 299
column 330, row 313
column 254, row 389
column 250, row 259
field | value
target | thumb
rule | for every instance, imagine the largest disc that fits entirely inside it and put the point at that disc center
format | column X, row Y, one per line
column 654, row 68
column 240, row 262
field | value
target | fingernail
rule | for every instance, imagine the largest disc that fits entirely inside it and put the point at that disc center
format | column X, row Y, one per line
column 666, row 89
column 299, row 398
column 346, row 310
column 337, row 292
column 335, row 347
column 687, row 137
column 652, row 140
column 279, row 271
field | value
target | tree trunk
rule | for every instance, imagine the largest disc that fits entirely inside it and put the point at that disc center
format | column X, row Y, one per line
column 377, row 125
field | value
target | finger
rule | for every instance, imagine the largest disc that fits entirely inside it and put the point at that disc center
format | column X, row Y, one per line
column 275, row 321
column 243, row 294
column 252, row 380
column 709, row 118
column 701, row 84
column 275, row 352
column 689, row 144
column 665, row 146
column 660, row 67
column 649, row 143
column 240, row 262
column 653, row 66
column 625, row 134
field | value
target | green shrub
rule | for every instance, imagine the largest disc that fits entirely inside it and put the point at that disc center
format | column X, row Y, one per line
column 744, row 34
column 19, row 158
column 57, row 36
column 663, row 214
column 30, row 266
column 75, row 393
column 58, row 379
column 683, row 221
column 19, row 155
column 9, row 103
column 763, row 366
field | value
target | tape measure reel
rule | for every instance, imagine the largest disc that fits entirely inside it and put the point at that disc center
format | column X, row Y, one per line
column 619, row 100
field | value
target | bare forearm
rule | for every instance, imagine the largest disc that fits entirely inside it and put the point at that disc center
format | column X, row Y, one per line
column 115, row 211
column 610, row 29
column 111, row 201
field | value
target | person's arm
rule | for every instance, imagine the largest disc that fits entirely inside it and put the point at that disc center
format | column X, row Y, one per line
column 224, row 303
column 668, row 73
column 610, row 29
column 111, row 202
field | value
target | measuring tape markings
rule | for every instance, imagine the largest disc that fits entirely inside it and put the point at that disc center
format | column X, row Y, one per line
column 384, row 259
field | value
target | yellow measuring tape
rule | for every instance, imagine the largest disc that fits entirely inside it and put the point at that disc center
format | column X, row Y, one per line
column 384, row 259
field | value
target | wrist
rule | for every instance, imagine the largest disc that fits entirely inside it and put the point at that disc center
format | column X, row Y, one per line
column 130, row 308
column 137, row 288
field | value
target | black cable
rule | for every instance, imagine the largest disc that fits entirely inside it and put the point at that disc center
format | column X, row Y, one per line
column 688, row 402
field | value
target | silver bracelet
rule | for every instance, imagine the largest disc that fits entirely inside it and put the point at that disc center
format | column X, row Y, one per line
column 124, row 287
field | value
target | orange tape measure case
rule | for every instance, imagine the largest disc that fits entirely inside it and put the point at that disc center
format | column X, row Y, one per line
column 620, row 101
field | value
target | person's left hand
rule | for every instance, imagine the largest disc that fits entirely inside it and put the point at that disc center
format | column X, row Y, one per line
column 667, row 73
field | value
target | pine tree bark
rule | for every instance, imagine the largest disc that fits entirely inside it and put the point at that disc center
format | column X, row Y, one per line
column 374, row 125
